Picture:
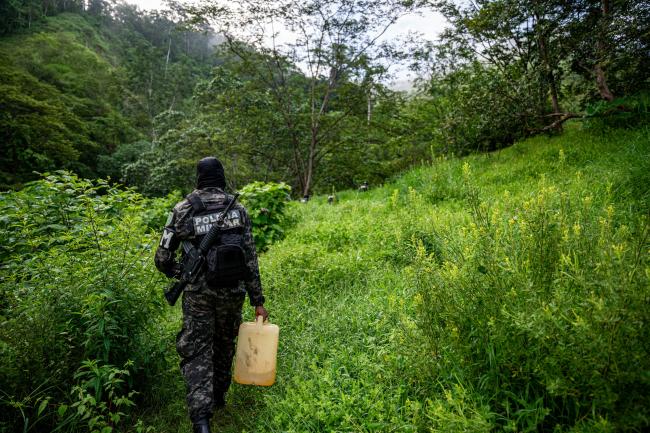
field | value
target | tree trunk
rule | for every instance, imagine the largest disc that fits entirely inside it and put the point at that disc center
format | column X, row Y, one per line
column 601, row 48
column 316, row 116
column 552, row 85
column 306, row 190
column 309, row 172
column 553, row 88
column 169, row 50
column 150, row 108
column 548, row 69
column 601, row 82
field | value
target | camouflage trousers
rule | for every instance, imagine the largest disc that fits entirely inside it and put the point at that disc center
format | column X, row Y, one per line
column 206, row 345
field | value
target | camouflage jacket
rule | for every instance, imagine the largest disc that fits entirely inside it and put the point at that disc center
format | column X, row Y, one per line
column 179, row 228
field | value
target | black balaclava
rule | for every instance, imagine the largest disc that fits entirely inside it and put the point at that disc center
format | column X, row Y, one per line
column 209, row 173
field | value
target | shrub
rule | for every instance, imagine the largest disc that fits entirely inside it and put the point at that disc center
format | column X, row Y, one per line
column 627, row 112
column 266, row 204
column 77, row 287
column 99, row 398
column 541, row 306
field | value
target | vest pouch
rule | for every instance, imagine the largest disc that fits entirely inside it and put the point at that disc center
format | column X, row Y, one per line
column 226, row 266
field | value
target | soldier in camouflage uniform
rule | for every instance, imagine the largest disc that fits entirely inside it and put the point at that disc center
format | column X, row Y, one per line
column 211, row 315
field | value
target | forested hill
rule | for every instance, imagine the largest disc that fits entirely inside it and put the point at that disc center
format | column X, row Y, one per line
column 139, row 96
column 75, row 88
column 107, row 90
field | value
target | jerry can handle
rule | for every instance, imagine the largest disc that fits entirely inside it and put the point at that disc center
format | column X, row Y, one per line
column 259, row 320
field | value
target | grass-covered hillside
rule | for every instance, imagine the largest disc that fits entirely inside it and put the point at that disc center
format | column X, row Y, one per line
column 500, row 292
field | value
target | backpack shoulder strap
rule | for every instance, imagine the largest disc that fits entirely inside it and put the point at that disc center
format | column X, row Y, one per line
column 196, row 202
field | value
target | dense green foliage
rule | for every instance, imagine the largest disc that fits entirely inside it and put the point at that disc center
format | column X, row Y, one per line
column 266, row 203
column 80, row 303
column 541, row 297
column 20, row 14
column 76, row 89
column 139, row 97
column 57, row 111
column 235, row 117
column 505, row 291
column 135, row 99
column 77, row 285
column 499, row 292
column 507, row 69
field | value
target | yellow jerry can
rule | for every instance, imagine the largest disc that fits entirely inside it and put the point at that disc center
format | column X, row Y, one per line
column 257, row 351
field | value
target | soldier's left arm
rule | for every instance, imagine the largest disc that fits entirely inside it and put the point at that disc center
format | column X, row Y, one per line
column 253, row 284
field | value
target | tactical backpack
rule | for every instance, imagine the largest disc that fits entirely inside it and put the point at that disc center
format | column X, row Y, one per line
column 226, row 261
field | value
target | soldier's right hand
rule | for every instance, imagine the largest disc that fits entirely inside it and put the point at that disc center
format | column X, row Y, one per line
column 261, row 311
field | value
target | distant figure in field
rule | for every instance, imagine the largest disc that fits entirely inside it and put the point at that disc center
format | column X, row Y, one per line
column 331, row 198
column 363, row 187
column 305, row 198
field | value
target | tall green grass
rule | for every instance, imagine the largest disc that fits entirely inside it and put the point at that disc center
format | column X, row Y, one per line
column 501, row 292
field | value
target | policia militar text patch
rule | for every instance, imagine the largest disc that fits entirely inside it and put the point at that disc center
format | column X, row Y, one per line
column 203, row 223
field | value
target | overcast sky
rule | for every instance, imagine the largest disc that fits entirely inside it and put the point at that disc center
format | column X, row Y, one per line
column 428, row 23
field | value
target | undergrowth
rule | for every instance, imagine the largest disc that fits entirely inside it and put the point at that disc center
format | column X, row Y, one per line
column 499, row 292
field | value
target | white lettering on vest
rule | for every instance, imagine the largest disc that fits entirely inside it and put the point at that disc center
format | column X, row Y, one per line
column 203, row 224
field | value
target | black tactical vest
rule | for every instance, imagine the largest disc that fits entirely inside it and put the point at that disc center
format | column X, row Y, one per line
column 226, row 261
